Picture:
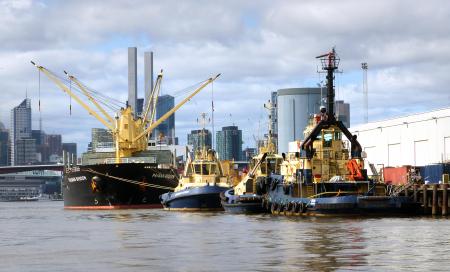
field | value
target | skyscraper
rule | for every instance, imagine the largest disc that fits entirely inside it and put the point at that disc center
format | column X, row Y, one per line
column 229, row 143
column 21, row 129
column 200, row 137
column 274, row 116
column 54, row 143
column 4, row 139
column 101, row 138
column 70, row 148
column 343, row 112
column 165, row 130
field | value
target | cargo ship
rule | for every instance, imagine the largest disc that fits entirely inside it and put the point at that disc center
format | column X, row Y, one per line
column 128, row 177
column 327, row 176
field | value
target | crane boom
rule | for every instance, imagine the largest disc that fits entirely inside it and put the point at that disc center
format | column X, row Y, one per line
column 169, row 113
column 86, row 93
column 151, row 98
column 63, row 87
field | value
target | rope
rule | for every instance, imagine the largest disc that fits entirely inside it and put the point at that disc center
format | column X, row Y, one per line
column 132, row 181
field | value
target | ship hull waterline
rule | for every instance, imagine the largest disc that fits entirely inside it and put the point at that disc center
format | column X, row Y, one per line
column 278, row 202
column 242, row 204
column 203, row 198
column 116, row 186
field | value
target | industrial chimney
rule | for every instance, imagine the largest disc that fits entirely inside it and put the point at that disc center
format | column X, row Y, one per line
column 132, row 78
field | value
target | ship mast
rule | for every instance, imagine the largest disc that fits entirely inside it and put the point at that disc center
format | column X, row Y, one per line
column 330, row 63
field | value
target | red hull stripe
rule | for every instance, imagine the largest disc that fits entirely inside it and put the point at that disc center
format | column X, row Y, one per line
column 115, row 207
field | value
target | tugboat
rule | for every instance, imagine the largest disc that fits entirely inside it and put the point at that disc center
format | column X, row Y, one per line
column 323, row 178
column 131, row 176
column 201, row 184
column 247, row 195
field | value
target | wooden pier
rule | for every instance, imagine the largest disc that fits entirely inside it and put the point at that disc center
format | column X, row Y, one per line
column 432, row 197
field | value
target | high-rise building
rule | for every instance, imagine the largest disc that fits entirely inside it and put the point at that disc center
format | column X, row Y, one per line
column 21, row 129
column 229, row 143
column 273, row 115
column 54, row 143
column 342, row 112
column 70, row 148
column 42, row 150
column 248, row 153
column 101, row 138
column 198, row 138
column 4, row 147
column 166, row 130
column 25, row 152
column 140, row 106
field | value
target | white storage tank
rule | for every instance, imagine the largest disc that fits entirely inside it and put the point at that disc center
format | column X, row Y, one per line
column 294, row 106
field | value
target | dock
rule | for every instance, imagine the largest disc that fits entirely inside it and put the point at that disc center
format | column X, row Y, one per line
column 434, row 198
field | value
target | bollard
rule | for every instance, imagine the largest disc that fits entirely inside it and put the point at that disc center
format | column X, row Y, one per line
column 415, row 193
column 434, row 200
column 444, row 199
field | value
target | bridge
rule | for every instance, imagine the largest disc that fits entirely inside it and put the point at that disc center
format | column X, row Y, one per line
column 24, row 168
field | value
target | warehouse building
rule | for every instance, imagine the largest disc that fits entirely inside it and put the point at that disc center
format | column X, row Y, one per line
column 416, row 140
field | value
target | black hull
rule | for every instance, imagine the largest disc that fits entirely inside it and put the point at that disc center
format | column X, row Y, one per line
column 116, row 186
column 205, row 198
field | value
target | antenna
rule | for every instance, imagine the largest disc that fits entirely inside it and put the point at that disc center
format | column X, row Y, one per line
column 203, row 121
column 364, row 67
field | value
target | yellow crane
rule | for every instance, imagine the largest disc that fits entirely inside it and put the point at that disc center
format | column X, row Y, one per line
column 130, row 133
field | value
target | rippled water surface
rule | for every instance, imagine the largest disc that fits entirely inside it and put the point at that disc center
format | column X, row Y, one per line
column 41, row 236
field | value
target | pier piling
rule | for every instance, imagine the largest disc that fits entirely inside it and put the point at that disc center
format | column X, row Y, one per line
column 444, row 199
column 424, row 198
column 434, row 203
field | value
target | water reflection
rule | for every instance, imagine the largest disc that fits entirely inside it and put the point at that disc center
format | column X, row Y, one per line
column 157, row 240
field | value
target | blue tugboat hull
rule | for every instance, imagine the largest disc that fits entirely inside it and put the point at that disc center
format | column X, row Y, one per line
column 242, row 204
column 205, row 198
column 280, row 202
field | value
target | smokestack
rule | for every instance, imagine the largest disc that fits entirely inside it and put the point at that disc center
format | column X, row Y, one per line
column 132, row 78
column 148, row 75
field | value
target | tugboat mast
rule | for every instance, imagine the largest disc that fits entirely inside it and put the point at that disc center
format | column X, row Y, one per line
column 330, row 63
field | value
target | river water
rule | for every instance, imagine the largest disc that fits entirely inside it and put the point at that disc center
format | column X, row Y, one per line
column 42, row 236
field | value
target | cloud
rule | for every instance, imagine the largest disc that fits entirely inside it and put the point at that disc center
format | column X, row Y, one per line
column 258, row 47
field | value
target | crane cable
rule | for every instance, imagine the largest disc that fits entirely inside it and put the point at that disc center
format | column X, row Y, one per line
column 39, row 89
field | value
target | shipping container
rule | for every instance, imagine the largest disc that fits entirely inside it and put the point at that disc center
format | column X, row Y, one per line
column 396, row 175
column 432, row 173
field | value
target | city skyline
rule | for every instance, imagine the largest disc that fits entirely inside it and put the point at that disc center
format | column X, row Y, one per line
column 258, row 47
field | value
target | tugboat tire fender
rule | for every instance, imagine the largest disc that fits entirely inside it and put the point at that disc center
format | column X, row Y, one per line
column 273, row 207
column 273, row 185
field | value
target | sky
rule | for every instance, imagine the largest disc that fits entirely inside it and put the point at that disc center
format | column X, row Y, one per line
column 257, row 46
